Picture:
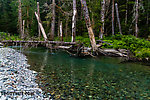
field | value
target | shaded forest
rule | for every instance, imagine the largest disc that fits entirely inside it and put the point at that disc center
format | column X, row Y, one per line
column 133, row 16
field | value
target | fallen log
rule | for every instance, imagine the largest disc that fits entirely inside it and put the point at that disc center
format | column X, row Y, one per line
column 41, row 26
column 45, row 42
column 62, row 47
column 1, row 44
column 75, row 49
column 114, row 52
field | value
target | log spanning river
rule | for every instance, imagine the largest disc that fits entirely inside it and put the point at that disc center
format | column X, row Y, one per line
column 66, row 77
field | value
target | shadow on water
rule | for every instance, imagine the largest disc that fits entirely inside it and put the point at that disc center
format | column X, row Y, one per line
column 66, row 77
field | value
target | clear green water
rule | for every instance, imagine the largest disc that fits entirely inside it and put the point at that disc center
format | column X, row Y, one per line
column 67, row 77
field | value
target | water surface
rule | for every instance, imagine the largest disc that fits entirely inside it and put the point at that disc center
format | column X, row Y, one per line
column 66, row 77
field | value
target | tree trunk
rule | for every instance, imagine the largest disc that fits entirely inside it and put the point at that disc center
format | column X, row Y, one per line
column 20, row 19
column 27, row 20
column 61, row 33
column 107, row 5
column 66, row 29
column 41, row 27
column 147, row 22
column 113, row 17
column 136, row 19
column 38, row 12
column 126, row 17
column 88, row 24
column 102, row 18
column 53, row 21
column 58, row 31
column 93, row 22
column 74, row 21
column 117, row 13
column 23, row 27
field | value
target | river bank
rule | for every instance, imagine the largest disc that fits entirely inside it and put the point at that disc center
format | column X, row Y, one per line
column 16, row 80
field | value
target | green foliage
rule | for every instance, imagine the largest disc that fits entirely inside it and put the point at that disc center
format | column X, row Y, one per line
column 128, row 42
column 65, row 39
column 7, row 36
column 86, row 41
column 143, row 53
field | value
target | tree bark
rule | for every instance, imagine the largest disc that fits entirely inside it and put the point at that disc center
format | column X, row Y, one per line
column 117, row 13
column 92, row 22
column 88, row 24
column 61, row 33
column 136, row 19
column 66, row 29
column 41, row 27
column 58, row 28
column 38, row 12
column 102, row 18
column 53, row 21
column 113, row 17
column 107, row 5
column 147, row 22
column 126, row 17
column 27, row 20
column 20, row 18
column 42, row 42
column 74, row 21
column 23, row 26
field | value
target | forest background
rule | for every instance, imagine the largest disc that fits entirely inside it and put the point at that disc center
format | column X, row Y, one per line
column 134, row 17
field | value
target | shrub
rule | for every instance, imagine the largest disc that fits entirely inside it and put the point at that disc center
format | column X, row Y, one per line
column 143, row 53
column 129, row 42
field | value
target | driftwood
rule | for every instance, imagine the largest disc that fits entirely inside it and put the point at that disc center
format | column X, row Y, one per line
column 41, row 26
column 80, row 51
column 1, row 44
column 88, row 25
column 38, row 12
column 63, row 47
column 73, row 48
column 45, row 42
column 114, row 52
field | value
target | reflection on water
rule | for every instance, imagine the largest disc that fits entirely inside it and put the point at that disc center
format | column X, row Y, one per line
column 68, row 77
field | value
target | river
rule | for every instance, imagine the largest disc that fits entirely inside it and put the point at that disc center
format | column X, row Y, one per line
column 66, row 77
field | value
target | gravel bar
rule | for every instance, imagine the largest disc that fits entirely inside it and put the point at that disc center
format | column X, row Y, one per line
column 17, row 82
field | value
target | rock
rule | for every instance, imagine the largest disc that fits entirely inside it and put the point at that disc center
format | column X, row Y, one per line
column 14, row 76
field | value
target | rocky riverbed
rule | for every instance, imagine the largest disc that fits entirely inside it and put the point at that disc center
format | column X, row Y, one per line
column 17, row 82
